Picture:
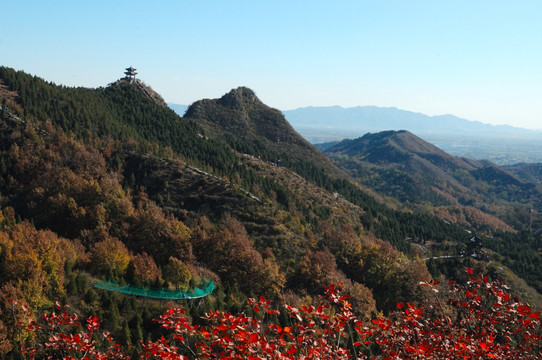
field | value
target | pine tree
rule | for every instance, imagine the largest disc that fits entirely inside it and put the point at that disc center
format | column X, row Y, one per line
column 126, row 334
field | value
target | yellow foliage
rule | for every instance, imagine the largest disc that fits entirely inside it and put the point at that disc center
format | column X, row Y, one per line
column 179, row 228
column 110, row 255
column 177, row 273
column 273, row 280
column 34, row 261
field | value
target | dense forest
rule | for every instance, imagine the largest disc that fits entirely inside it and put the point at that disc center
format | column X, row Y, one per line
column 107, row 184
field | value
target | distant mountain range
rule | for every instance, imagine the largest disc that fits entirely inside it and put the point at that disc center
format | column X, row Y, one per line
column 179, row 109
column 373, row 119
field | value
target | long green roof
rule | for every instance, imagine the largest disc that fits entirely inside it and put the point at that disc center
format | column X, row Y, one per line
column 157, row 293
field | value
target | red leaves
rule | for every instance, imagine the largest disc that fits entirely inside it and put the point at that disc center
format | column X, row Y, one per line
column 93, row 323
column 64, row 335
column 524, row 310
column 481, row 320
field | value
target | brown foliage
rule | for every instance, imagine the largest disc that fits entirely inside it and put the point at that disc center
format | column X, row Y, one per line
column 152, row 232
column 231, row 254
column 375, row 264
column 361, row 297
column 315, row 269
column 145, row 268
column 63, row 183
column 5, row 344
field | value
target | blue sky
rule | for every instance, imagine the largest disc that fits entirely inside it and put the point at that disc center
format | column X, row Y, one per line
column 480, row 60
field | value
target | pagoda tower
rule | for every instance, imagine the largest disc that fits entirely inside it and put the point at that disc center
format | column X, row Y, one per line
column 130, row 73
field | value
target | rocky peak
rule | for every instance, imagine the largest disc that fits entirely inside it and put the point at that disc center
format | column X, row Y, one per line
column 238, row 97
column 144, row 88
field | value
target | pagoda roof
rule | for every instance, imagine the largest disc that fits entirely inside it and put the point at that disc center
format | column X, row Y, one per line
column 130, row 71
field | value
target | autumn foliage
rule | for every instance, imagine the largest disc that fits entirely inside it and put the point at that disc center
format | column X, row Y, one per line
column 478, row 320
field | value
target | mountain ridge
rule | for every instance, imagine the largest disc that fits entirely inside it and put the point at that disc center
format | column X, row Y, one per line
column 401, row 165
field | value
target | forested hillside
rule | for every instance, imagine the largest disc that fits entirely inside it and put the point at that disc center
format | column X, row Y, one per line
column 531, row 172
column 108, row 184
column 477, row 194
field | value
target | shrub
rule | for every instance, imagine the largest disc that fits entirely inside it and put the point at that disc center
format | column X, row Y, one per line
column 477, row 320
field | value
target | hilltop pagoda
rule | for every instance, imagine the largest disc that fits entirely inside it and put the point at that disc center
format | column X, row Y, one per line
column 130, row 73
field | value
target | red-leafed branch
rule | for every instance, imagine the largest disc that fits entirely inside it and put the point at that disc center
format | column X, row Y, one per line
column 478, row 320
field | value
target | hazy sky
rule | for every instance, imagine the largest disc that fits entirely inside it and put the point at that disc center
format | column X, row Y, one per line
column 480, row 60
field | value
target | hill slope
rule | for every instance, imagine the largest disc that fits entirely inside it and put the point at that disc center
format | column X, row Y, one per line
column 403, row 166
column 530, row 172
column 253, row 127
